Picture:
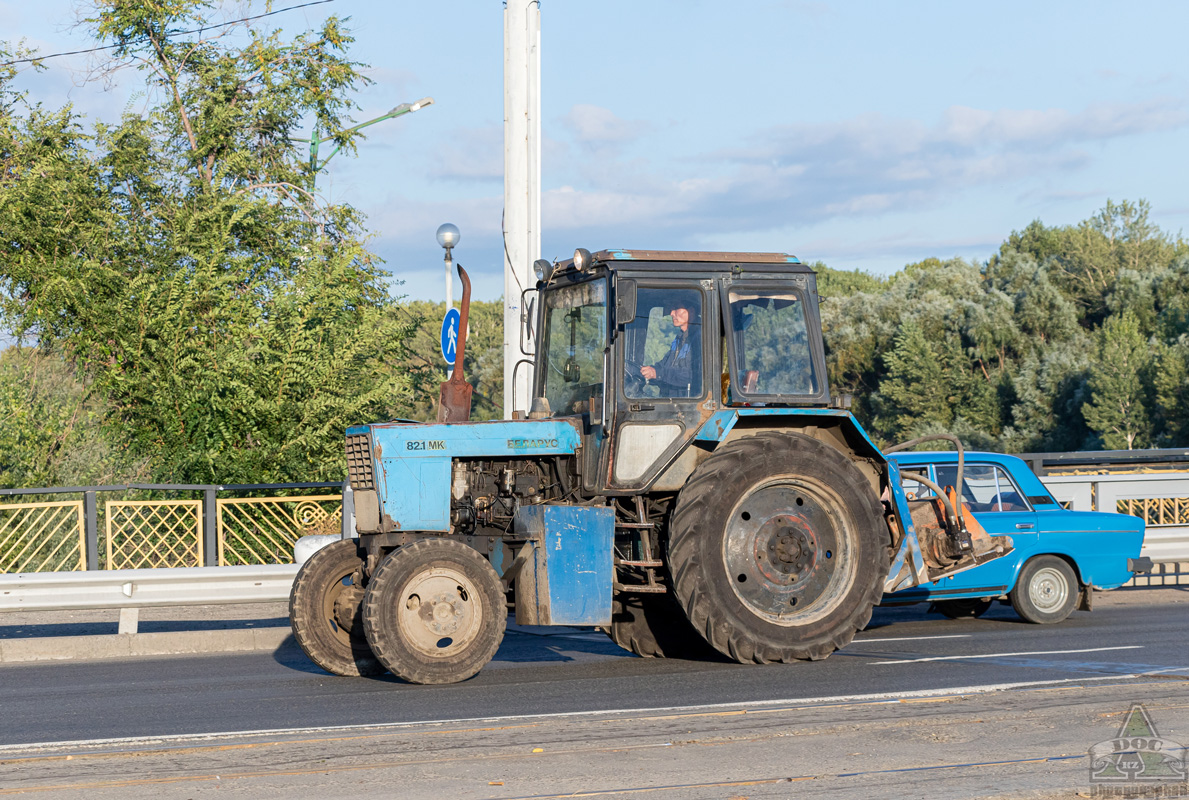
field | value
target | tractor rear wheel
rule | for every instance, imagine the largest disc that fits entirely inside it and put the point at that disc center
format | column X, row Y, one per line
column 655, row 626
column 325, row 611
column 778, row 549
column 435, row 611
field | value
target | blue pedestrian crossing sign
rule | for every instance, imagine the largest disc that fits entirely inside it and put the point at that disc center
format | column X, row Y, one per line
column 450, row 335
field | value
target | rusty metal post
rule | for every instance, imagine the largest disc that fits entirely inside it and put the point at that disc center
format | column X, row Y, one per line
column 454, row 395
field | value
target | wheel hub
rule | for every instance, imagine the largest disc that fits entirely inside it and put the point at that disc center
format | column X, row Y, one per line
column 1049, row 590
column 348, row 605
column 792, row 547
column 443, row 614
column 438, row 614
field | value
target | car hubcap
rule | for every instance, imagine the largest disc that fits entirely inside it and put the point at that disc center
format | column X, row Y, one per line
column 1048, row 590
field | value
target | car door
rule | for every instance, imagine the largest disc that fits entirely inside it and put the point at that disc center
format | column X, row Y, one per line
column 1002, row 509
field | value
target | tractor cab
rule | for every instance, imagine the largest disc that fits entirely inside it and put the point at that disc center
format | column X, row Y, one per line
column 646, row 346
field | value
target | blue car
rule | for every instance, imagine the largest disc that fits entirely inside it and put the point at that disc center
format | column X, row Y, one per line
column 1060, row 556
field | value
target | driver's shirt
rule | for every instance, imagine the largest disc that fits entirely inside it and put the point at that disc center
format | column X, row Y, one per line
column 675, row 373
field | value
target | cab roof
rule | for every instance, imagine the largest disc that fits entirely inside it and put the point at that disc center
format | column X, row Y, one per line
column 619, row 260
column 694, row 255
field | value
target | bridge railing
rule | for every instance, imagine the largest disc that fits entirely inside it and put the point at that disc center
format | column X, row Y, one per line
column 1160, row 499
column 153, row 526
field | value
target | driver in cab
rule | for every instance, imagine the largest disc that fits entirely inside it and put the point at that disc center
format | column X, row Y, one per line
column 676, row 374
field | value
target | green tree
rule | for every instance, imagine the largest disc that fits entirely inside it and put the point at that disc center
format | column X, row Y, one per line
column 1172, row 393
column 234, row 322
column 1117, row 411
column 51, row 426
column 843, row 283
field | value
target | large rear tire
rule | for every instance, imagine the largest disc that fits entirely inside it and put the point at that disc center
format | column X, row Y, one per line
column 778, row 549
column 325, row 611
column 655, row 626
column 435, row 611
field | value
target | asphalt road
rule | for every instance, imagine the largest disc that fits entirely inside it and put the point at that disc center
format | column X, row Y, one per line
column 904, row 651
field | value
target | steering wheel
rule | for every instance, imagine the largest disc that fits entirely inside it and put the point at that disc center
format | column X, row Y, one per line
column 633, row 381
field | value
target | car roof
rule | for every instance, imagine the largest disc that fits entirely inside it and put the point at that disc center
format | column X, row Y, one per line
column 949, row 457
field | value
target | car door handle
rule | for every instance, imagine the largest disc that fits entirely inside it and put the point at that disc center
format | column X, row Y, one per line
column 1024, row 526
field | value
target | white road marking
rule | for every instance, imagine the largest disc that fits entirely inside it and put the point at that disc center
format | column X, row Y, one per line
column 878, row 698
column 916, row 638
column 1008, row 655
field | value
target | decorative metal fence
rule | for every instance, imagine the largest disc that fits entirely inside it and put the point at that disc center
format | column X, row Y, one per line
column 263, row 530
column 42, row 537
column 148, row 534
column 208, row 530
column 1157, row 510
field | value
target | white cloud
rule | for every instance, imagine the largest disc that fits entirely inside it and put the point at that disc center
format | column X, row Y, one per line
column 471, row 154
column 868, row 165
column 598, row 127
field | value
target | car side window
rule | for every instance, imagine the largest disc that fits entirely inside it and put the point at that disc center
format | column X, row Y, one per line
column 912, row 489
column 985, row 487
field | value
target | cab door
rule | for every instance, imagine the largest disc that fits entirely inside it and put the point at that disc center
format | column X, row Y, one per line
column 663, row 358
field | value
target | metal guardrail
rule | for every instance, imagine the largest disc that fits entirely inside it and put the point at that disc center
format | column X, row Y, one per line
column 132, row 589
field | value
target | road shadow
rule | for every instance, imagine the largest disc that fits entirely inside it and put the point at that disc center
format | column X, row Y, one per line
column 521, row 646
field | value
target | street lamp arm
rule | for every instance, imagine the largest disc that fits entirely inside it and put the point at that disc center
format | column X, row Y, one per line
column 315, row 139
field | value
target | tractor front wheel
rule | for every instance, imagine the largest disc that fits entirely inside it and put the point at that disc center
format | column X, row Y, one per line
column 435, row 611
column 325, row 611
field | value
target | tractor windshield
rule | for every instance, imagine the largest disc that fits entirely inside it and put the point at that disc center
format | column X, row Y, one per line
column 770, row 342
column 575, row 340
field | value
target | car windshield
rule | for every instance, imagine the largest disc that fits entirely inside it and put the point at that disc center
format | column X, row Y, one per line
column 575, row 339
column 771, row 343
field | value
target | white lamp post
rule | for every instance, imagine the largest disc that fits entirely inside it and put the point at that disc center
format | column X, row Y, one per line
column 448, row 237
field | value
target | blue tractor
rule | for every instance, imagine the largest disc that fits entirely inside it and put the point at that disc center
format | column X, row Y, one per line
column 682, row 479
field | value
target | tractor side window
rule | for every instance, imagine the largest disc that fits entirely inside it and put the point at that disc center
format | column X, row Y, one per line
column 771, row 344
column 663, row 345
column 575, row 340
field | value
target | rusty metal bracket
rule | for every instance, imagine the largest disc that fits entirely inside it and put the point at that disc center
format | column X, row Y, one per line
column 454, row 395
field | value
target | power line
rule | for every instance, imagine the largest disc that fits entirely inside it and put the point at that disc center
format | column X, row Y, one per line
column 179, row 33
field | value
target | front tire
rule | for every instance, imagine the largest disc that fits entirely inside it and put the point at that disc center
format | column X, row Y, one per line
column 1046, row 590
column 435, row 611
column 778, row 549
column 325, row 611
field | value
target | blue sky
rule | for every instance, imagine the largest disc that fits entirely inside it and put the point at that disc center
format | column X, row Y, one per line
column 862, row 134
